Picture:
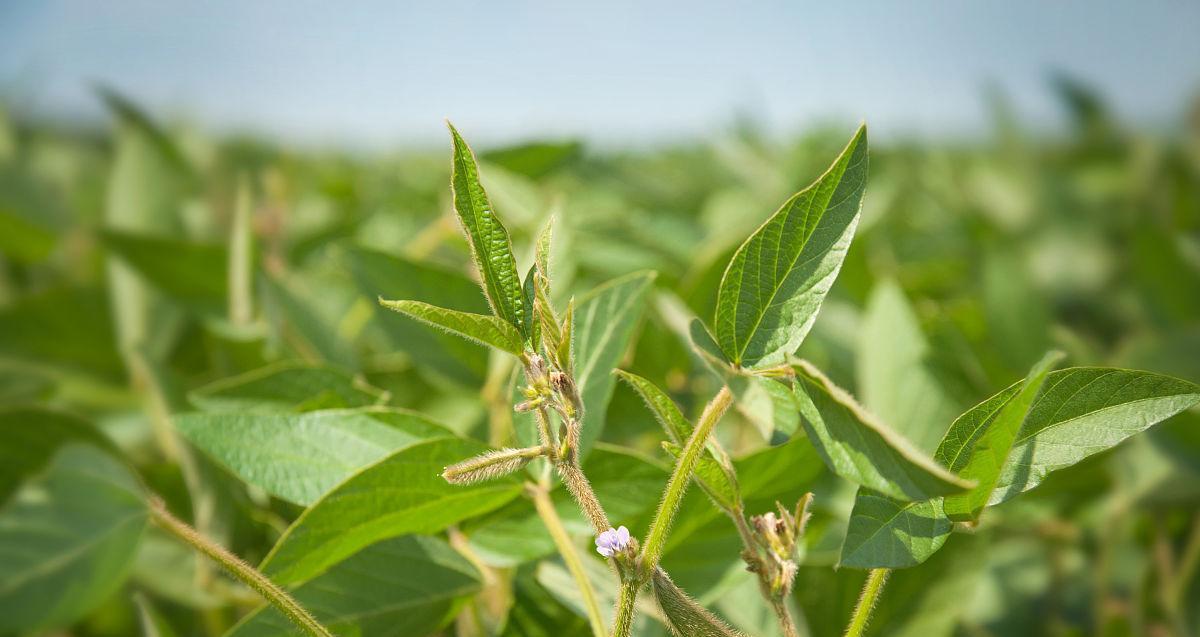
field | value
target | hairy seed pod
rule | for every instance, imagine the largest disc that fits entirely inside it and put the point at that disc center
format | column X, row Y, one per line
column 491, row 465
column 685, row 616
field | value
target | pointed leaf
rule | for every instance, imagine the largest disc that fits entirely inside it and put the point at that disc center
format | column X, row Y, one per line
column 402, row 493
column 487, row 330
column 858, row 447
column 665, row 411
column 490, row 245
column 404, row 586
column 983, row 460
column 774, row 285
column 298, row 457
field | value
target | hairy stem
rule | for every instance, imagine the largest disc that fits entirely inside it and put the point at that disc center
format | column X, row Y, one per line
column 866, row 602
column 545, row 510
column 677, row 485
column 249, row 576
column 626, row 599
column 779, row 605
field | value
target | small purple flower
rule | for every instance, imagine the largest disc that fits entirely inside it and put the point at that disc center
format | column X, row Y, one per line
column 612, row 541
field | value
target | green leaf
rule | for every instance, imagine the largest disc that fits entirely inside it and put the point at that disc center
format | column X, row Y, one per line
column 1083, row 411
column 194, row 274
column 288, row 386
column 403, row 586
column 45, row 330
column 483, row 329
column 711, row 477
column 22, row 239
column 68, row 537
column 490, row 245
column 380, row 274
column 299, row 457
column 774, row 285
column 989, row 449
column 32, row 437
column 858, row 447
column 401, row 494
column 895, row 375
column 889, row 533
column 686, row 617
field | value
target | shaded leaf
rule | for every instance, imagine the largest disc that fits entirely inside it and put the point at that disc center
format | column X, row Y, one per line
column 889, row 533
column 285, row 387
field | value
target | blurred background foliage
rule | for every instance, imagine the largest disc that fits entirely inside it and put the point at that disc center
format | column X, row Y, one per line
column 145, row 264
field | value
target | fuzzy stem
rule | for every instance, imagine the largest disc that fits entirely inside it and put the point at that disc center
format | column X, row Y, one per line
column 779, row 605
column 677, row 485
column 249, row 576
column 866, row 602
column 545, row 509
column 626, row 600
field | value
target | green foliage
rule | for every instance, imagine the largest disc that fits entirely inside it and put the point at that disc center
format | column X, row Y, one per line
column 485, row 330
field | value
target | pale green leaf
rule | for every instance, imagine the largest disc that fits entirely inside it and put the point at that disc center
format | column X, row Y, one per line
column 67, row 538
column 483, row 329
column 401, row 494
column 889, row 533
column 983, row 460
column 403, row 586
column 858, row 447
column 490, row 245
column 774, row 285
column 288, row 386
column 300, row 456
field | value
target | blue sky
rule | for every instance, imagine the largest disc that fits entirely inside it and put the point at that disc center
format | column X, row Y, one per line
column 383, row 73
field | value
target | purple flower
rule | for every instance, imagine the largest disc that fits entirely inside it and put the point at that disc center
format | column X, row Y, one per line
column 612, row 541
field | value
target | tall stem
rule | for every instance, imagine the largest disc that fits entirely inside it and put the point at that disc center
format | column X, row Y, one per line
column 545, row 509
column 249, row 576
column 677, row 485
column 626, row 599
column 866, row 602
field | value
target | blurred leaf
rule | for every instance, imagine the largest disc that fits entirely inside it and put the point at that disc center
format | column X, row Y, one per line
column 490, row 245
column 33, row 436
column 403, row 586
column 535, row 159
column 480, row 328
column 300, row 456
column 894, row 371
column 22, row 240
column 45, row 329
column 400, row 494
column 774, row 285
column 67, row 538
column 860, row 448
column 195, row 274
column 288, row 386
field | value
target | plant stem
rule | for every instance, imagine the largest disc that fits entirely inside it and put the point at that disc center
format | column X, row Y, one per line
column 626, row 600
column 682, row 476
column 251, row 577
column 779, row 605
column 866, row 602
column 545, row 509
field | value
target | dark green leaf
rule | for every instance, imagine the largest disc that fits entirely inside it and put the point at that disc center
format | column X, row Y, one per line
column 889, row 533
column 194, row 274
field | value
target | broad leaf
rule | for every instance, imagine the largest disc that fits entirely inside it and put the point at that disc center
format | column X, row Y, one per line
column 403, row 586
column 490, row 245
column 298, row 457
column 289, row 386
column 483, row 329
column 889, row 533
column 858, row 447
column 982, row 460
column 194, row 274
column 895, row 377
column 401, row 494
column 1082, row 411
column 774, row 285
column 67, row 539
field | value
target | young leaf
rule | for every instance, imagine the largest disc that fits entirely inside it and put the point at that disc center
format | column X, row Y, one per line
column 298, row 457
column 1082, row 411
column 487, row 330
column 68, row 536
column 889, row 533
column 288, row 386
column 402, row 493
column 859, row 448
column 983, row 460
column 490, row 245
column 774, row 285
column 685, row 616
column 403, row 586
